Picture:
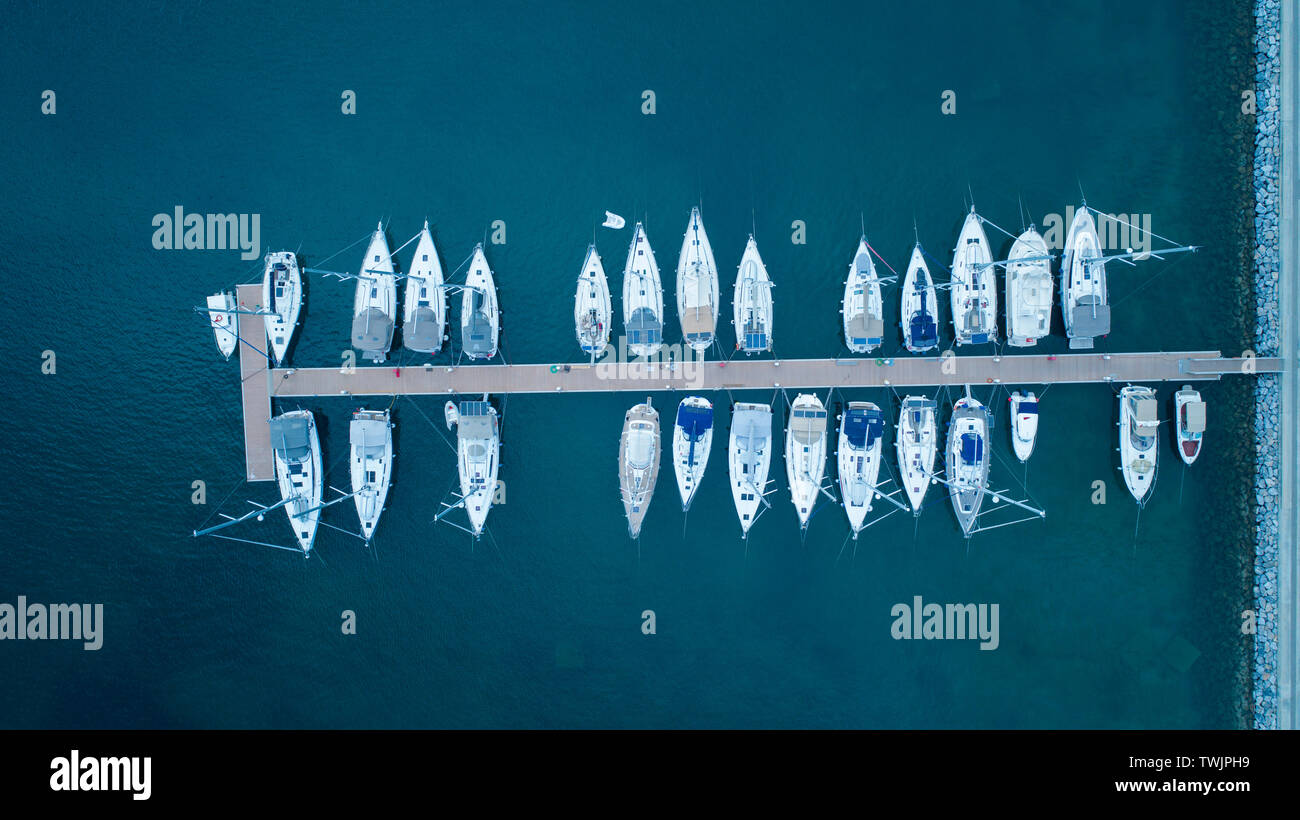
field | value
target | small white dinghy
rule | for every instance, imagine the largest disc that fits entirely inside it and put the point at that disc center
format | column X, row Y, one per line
column 282, row 297
column 920, row 306
column 222, row 317
column 863, row 308
column 697, row 286
column 1024, row 424
column 424, row 317
column 1138, row 423
column 643, row 297
column 749, row 457
column 917, row 445
column 370, row 437
column 805, row 454
column 638, row 463
column 752, row 303
column 480, row 321
column 974, row 288
column 692, row 439
column 591, row 305
column 1189, row 410
column 478, row 451
column 862, row 429
column 298, row 472
column 374, row 308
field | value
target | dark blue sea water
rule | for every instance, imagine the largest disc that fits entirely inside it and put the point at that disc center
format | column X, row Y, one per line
column 532, row 114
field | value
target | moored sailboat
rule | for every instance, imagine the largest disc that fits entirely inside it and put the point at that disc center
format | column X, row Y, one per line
column 805, row 454
column 1029, row 290
column 638, row 463
column 920, row 309
column 424, row 318
column 973, row 290
column 692, row 440
column 861, row 439
column 478, row 457
column 967, row 463
column 643, row 297
column 591, row 305
column 295, row 447
column 917, row 445
column 752, row 303
column 370, row 436
column 697, row 286
column 374, row 308
column 863, row 308
column 282, row 297
column 749, row 457
column 1084, row 299
column 480, row 320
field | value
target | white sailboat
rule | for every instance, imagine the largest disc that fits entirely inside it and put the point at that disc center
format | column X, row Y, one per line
column 752, row 302
column 591, row 305
column 862, row 429
column 917, row 446
column 638, row 463
column 863, row 309
column 282, row 296
column 480, row 321
column 374, row 309
column 1138, row 425
column 298, row 472
column 424, row 318
column 805, row 453
column 1189, row 411
column 967, row 463
column 222, row 317
column 370, row 437
column 697, row 286
column 974, row 291
column 478, row 457
column 920, row 314
column 749, row 457
column 1029, row 290
column 1084, row 302
column 643, row 297
column 692, row 440
column 1024, row 424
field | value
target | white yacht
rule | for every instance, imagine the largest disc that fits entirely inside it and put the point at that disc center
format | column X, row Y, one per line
column 480, row 320
column 753, row 303
column 1024, row 424
column 692, row 439
column 424, row 318
column 917, row 445
column 1138, row 425
column 1084, row 301
column 1189, row 410
column 697, row 286
column 298, row 471
column 967, row 463
column 478, row 457
column 863, row 309
column 920, row 315
column 805, row 454
column 374, row 310
column 749, row 457
column 643, row 298
column 222, row 317
column 974, row 290
column 282, row 296
column 371, row 466
column 1030, row 291
column 862, row 429
column 591, row 305
column 638, row 463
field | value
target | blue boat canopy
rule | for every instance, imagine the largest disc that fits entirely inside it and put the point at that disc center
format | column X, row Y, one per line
column 694, row 421
column 924, row 330
column 972, row 448
column 863, row 425
column 1030, row 407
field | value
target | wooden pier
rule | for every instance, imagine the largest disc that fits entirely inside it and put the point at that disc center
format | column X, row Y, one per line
column 255, row 376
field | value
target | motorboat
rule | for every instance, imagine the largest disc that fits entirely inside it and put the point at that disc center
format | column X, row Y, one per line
column 1189, row 410
column 1024, row 424
column 1138, row 425
column 1030, row 290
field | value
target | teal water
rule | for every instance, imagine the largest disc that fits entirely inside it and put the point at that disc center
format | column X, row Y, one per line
column 531, row 114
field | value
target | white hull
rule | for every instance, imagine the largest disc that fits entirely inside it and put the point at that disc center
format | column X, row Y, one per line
column 643, row 297
column 480, row 320
column 1024, row 424
column 920, row 313
column 805, row 453
column 282, row 295
column 692, row 440
column 370, row 437
column 424, row 316
column 1189, row 421
column 638, row 463
column 974, row 291
column 300, row 476
column 863, row 309
column 224, row 320
column 478, row 457
column 591, row 305
column 697, row 286
column 749, row 458
column 752, row 303
column 1030, row 291
column 1138, row 428
column 967, row 461
column 858, row 459
column 917, row 445
column 1084, row 300
column 374, row 307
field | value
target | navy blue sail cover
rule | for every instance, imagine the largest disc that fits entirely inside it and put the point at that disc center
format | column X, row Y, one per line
column 694, row 421
column 972, row 448
column 862, row 426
